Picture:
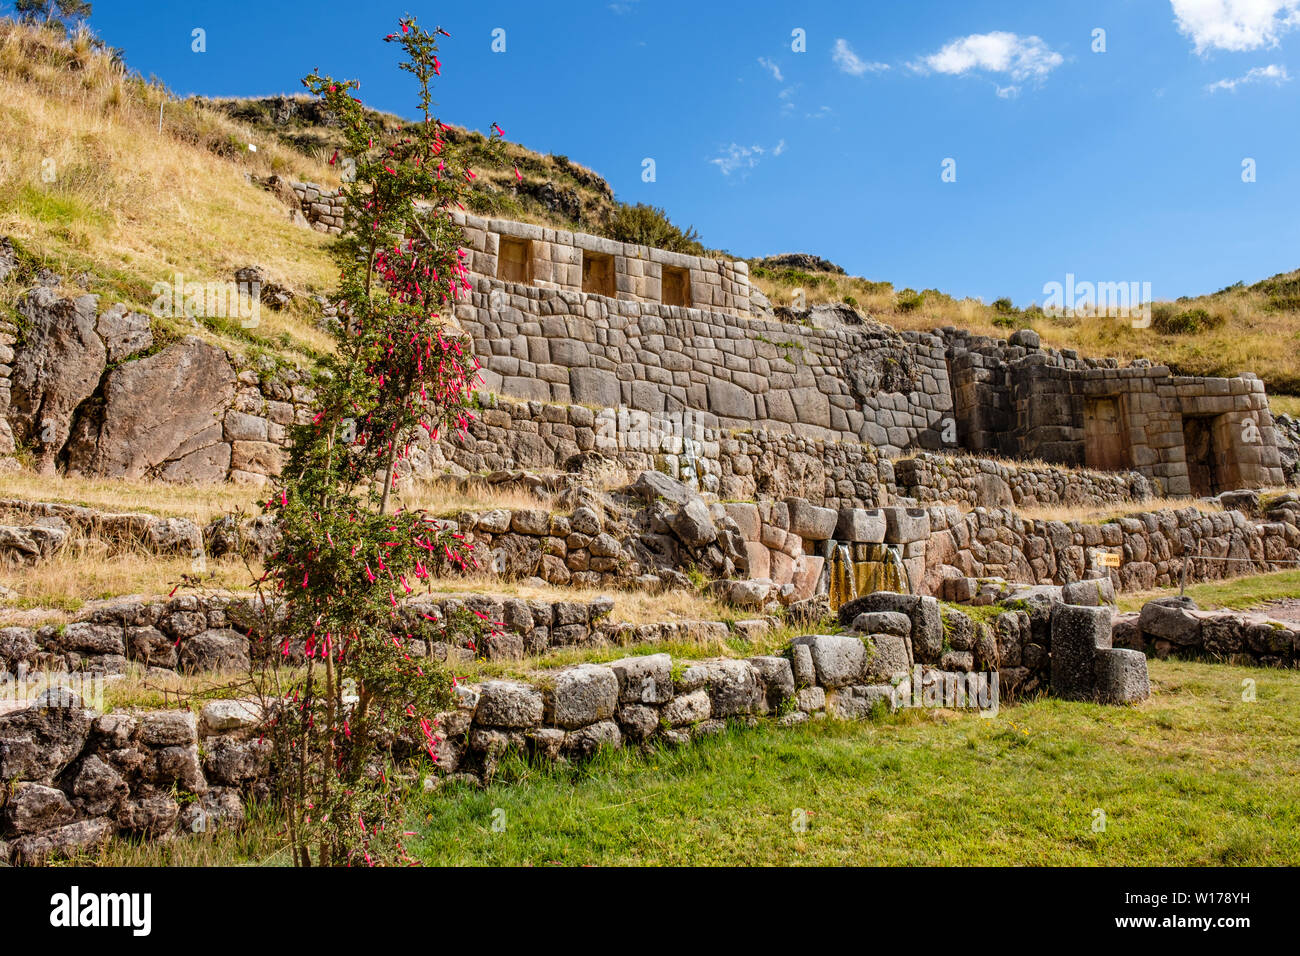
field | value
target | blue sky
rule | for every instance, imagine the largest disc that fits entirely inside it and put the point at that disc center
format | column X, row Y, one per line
column 1123, row 165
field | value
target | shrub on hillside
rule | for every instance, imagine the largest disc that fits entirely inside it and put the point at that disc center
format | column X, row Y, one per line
column 650, row 226
column 1168, row 319
column 909, row 300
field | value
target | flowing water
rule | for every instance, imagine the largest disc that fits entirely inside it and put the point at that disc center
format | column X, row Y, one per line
column 859, row 569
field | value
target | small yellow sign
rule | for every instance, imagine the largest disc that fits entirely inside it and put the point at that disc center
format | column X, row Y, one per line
column 1109, row 559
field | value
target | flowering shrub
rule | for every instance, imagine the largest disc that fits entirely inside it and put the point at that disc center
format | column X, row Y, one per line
column 348, row 556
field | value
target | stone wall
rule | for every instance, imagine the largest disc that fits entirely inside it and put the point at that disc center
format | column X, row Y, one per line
column 194, row 633
column 323, row 208
column 844, row 384
column 1153, row 547
column 1018, row 400
column 73, row 778
column 1175, row 627
column 982, row 481
column 553, row 259
column 734, row 464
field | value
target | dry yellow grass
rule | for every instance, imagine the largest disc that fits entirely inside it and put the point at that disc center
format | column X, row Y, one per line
column 1100, row 514
column 88, row 183
column 82, row 572
column 200, row 503
column 439, row 500
column 204, row 502
column 1285, row 405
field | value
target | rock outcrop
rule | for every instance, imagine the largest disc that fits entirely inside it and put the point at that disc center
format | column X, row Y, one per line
column 142, row 430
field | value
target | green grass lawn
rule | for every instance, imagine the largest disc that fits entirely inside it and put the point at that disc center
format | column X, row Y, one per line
column 1235, row 593
column 1194, row 776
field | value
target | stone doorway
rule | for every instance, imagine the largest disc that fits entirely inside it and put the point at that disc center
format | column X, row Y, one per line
column 1105, row 437
column 1202, row 456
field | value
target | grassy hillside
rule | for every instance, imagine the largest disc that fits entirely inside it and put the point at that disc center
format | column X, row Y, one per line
column 89, row 184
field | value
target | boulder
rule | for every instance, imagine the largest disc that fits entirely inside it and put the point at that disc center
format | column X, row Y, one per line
column 1171, row 619
column 888, row 656
column 57, row 368
column 224, row 715
column 644, row 680
column 37, row 743
column 687, row 709
column 733, row 686
column 34, row 807
column 860, row 525
column 168, row 728
column 905, row 525
column 811, row 522
column 142, row 429
column 39, row 847
column 509, row 704
column 777, row 677
column 693, row 525
column 837, row 660
column 652, row 485
column 124, row 332
column 860, row 701
column 1090, row 593
column 586, row 741
column 883, row 622
column 96, row 786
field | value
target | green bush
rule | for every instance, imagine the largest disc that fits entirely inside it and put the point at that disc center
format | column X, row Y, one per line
column 909, row 300
column 1168, row 319
column 650, row 226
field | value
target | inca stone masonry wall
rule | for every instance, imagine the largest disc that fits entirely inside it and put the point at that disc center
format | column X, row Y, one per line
column 73, row 778
column 1153, row 547
column 973, row 481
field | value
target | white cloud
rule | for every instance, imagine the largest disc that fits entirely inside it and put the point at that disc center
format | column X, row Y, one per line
column 1020, row 58
column 1277, row 75
column 744, row 158
column 849, row 62
column 1235, row 25
column 772, row 68
column 736, row 157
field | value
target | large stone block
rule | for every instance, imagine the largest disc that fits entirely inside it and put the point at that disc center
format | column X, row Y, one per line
column 888, row 657
column 141, row 426
column 837, row 660
column 644, row 680
column 733, row 686
column 509, row 704
column 861, row 525
column 583, row 695
column 811, row 522
column 727, row 400
column 1120, row 676
column 593, row 386
column 1077, row 633
column 1090, row 593
column 905, row 525
column 1171, row 619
